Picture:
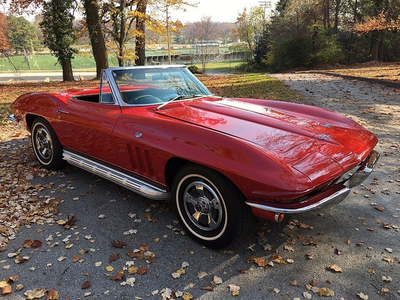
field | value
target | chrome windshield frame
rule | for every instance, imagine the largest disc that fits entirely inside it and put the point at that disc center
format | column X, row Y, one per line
column 107, row 74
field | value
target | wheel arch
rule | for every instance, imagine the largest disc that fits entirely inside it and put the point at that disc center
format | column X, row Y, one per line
column 174, row 164
column 172, row 167
column 29, row 118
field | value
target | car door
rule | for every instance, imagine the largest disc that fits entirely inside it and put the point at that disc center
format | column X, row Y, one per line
column 86, row 127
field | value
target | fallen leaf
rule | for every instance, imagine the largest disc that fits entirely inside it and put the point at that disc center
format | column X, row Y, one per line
column 109, row 268
column 217, row 280
column 334, row 268
column 362, row 296
column 70, row 220
column 207, row 288
column 338, row 252
column 52, row 295
column 234, row 289
column 21, row 259
column 26, row 244
column 118, row 244
column 36, row 244
column 132, row 270
column 325, row 292
column 260, row 262
column 387, row 278
column 310, row 243
column 113, row 257
column 144, row 247
column 35, row 294
column 201, row 275
column 278, row 259
column 142, row 271
column 181, row 271
column 187, row 296
column 288, row 248
column 13, row 278
column 119, row 276
column 6, row 289
column 86, row 285
column 19, row 287
column 130, row 281
column 312, row 282
column 388, row 259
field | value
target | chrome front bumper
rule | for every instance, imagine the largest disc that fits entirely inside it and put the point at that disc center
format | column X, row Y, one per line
column 327, row 198
column 364, row 170
column 13, row 118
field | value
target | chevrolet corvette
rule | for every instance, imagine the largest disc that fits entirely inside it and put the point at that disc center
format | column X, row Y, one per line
column 158, row 131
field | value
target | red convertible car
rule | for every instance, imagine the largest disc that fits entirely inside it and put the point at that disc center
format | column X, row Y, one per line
column 159, row 132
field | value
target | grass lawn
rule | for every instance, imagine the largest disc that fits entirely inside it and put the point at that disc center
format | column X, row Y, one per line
column 47, row 62
column 82, row 61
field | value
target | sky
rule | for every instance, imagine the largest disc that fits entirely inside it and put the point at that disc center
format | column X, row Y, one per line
column 218, row 10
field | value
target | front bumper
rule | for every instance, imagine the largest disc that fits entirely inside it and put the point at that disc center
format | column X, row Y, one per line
column 13, row 118
column 326, row 198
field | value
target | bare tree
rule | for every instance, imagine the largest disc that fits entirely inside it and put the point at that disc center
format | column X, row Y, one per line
column 206, row 33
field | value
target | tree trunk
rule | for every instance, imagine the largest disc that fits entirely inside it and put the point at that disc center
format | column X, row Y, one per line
column 96, row 35
column 140, row 46
column 67, row 70
column 326, row 8
column 374, row 45
column 122, row 34
column 337, row 16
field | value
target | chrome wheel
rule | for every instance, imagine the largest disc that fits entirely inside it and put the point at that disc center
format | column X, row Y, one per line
column 46, row 146
column 209, row 206
column 43, row 144
column 203, row 206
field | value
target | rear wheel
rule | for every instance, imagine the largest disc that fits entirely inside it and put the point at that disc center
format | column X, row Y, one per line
column 46, row 146
column 209, row 206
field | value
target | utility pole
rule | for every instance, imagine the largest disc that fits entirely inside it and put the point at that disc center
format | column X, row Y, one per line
column 168, row 33
column 267, row 6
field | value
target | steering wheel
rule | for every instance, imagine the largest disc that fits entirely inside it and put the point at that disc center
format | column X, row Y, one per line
column 145, row 99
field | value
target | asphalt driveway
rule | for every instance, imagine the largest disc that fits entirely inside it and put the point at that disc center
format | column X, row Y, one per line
column 95, row 240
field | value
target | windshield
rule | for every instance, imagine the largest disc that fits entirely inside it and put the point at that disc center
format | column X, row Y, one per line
column 147, row 86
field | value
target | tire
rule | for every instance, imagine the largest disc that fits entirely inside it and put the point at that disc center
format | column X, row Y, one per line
column 46, row 146
column 209, row 206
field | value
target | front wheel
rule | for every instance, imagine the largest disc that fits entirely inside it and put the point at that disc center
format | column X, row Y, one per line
column 209, row 206
column 46, row 146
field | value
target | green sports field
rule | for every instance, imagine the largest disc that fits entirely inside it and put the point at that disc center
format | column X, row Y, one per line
column 45, row 62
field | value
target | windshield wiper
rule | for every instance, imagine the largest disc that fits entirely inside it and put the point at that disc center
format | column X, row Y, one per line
column 179, row 97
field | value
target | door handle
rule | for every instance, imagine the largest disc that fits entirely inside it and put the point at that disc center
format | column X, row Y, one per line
column 62, row 112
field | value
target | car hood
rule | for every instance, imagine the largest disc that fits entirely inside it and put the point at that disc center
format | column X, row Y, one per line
column 308, row 139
